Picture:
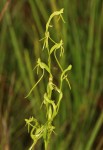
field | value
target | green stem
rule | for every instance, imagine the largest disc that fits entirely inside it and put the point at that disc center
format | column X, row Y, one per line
column 46, row 145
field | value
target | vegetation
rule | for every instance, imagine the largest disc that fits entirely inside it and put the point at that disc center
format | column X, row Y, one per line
column 79, row 122
column 52, row 107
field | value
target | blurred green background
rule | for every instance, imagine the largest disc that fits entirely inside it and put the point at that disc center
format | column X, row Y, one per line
column 79, row 124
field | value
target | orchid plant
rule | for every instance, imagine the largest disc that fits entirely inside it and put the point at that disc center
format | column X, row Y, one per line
column 45, row 130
